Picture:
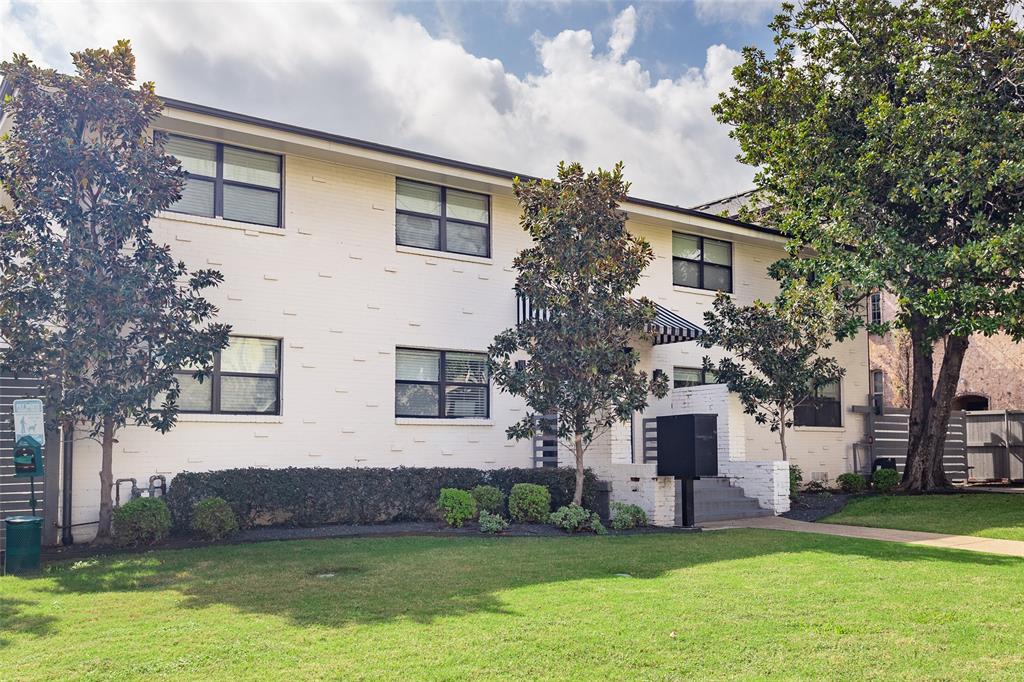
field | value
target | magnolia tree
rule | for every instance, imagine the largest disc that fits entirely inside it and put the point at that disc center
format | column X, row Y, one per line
column 776, row 364
column 578, row 276
column 88, row 300
column 888, row 140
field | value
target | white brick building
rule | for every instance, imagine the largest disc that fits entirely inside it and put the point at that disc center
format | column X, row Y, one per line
column 337, row 298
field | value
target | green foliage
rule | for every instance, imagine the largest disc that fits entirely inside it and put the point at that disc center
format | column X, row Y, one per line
column 142, row 521
column 885, row 480
column 888, row 147
column 363, row 495
column 580, row 270
column 456, row 506
column 796, row 478
column 775, row 362
column 492, row 523
column 214, row 519
column 529, row 503
column 576, row 519
column 489, row 498
column 852, row 483
column 88, row 300
column 626, row 516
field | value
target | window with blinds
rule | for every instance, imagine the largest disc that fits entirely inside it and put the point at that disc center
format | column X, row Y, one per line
column 683, row 377
column 701, row 263
column 441, row 384
column 227, row 182
column 442, row 219
column 246, row 379
column 824, row 408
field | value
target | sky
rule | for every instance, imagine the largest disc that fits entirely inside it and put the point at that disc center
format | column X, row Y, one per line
column 514, row 84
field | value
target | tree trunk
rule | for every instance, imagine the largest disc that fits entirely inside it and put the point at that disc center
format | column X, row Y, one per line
column 106, row 482
column 782, row 442
column 928, row 472
column 921, row 395
column 577, row 497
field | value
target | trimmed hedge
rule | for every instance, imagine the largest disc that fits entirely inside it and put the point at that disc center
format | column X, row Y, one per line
column 356, row 495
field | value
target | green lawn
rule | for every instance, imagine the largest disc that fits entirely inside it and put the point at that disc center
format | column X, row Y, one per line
column 989, row 515
column 726, row 604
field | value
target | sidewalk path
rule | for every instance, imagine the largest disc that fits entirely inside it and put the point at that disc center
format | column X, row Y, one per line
column 913, row 537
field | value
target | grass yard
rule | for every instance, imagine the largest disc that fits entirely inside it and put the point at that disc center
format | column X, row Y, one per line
column 726, row 604
column 988, row 515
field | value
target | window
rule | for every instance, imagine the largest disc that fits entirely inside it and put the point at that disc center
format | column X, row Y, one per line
column 436, row 383
column 228, row 182
column 442, row 219
column 877, row 390
column 692, row 376
column 701, row 263
column 824, row 409
column 246, row 379
column 875, row 308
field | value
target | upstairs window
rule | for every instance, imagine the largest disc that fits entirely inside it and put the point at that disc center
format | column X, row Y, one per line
column 823, row 409
column 701, row 263
column 442, row 219
column 227, row 182
column 683, row 377
column 437, row 383
column 246, row 379
column 875, row 308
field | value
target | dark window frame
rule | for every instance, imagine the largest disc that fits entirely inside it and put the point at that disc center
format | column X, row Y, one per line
column 703, row 376
column 442, row 238
column 821, row 417
column 219, row 182
column 217, row 374
column 702, row 262
column 877, row 392
column 442, row 383
column 875, row 308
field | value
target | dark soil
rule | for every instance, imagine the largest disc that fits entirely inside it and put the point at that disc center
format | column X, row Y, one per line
column 815, row 506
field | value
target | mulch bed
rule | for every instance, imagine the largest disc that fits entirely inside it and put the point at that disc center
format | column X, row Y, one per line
column 815, row 506
column 272, row 534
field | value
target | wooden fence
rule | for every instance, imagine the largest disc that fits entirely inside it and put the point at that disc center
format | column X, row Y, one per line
column 995, row 445
column 889, row 434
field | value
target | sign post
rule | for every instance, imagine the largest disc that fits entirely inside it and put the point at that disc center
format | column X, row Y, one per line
column 29, row 439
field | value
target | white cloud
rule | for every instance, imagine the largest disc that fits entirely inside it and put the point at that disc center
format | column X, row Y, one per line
column 368, row 71
column 731, row 11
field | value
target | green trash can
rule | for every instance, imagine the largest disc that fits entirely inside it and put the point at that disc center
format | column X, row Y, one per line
column 24, row 534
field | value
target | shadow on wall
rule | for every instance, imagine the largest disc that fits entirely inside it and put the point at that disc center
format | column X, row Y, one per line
column 334, row 583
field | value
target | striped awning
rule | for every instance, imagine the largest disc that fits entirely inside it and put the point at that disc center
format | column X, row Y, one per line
column 670, row 328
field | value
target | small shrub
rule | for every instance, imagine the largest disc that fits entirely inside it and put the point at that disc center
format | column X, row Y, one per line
column 885, row 480
column 796, row 477
column 214, row 519
column 491, row 523
column 488, row 499
column 574, row 519
column 456, row 506
column 815, row 488
column 626, row 516
column 143, row 521
column 851, row 483
column 529, row 503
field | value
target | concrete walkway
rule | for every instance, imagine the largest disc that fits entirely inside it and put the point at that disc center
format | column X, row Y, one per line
column 912, row 537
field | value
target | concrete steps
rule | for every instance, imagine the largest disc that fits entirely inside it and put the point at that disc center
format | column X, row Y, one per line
column 716, row 499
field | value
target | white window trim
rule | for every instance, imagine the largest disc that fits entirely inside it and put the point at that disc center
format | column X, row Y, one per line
column 220, row 222
column 447, row 255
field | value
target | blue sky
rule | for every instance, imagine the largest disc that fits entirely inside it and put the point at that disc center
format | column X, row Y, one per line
column 519, row 84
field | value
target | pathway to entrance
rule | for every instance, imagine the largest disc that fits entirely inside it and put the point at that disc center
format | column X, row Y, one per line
column 913, row 537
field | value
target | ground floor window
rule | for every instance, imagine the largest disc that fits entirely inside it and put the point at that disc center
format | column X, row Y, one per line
column 692, row 376
column 823, row 409
column 246, row 379
column 441, row 384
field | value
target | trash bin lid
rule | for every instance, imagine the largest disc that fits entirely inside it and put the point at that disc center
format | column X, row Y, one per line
column 14, row 520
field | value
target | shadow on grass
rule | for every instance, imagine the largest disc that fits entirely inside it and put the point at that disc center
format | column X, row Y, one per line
column 338, row 582
column 14, row 620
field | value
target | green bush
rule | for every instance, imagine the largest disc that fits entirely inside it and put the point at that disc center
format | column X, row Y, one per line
column 796, row 477
column 214, row 519
column 456, row 506
column 143, row 521
column 574, row 519
column 364, row 495
column 492, row 523
column 885, row 480
column 851, row 483
column 529, row 503
column 488, row 499
column 626, row 516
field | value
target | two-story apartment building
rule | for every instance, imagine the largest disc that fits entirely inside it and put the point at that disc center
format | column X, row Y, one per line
column 364, row 284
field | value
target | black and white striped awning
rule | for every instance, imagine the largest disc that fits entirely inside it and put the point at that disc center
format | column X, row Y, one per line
column 670, row 328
